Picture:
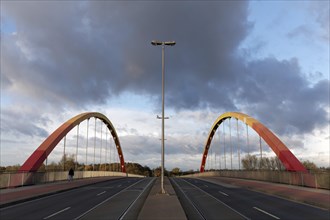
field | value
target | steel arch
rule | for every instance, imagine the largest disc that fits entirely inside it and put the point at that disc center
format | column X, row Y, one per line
column 290, row 162
column 36, row 159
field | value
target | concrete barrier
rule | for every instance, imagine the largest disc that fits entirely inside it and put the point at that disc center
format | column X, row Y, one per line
column 9, row 180
column 315, row 180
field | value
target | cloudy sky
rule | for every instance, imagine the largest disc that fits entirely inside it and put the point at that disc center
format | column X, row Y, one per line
column 268, row 59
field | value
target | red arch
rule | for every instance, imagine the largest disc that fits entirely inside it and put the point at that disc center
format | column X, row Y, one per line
column 36, row 159
column 290, row 162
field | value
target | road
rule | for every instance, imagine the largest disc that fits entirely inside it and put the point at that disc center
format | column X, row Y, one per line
column 124, row 196
column 205, row 200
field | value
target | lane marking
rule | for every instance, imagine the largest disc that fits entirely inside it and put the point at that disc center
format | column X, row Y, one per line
column 260, row 210
column 189, row 200
column 101, row 193
column 85, row 213
column 119, row 185
column 217, row 199
column 223, row 193
column 206, row 185
column 131, row 205
column 63, row 210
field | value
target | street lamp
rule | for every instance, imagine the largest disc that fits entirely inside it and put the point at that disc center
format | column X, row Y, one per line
column 163, row 44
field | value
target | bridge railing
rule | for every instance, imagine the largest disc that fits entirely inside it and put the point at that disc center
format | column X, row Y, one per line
column 315, row 180
column 9, row 180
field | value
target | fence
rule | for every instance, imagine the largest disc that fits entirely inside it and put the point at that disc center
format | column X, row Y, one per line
column 8, row 180
column 314, row 180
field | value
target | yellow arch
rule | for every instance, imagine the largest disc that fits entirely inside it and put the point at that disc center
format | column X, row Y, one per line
column 290, row 162
column 36, row 159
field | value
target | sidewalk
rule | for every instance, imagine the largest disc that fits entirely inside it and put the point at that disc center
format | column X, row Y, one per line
column 162, row 206
column 20, row 194
column 311, row 196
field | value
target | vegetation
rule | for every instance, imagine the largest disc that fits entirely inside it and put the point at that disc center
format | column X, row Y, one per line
column 252, row 162
column 68, row 161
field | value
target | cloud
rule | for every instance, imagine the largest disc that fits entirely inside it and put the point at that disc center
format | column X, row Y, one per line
column 28, row 124
column 83, row 58
column 320, row 10
column 69, row 56
column 282, row 98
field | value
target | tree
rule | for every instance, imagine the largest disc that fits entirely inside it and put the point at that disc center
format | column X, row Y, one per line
column 176, row 172
column 13, row 168
column 310, row 165
column 157, row 172
column 250, row 162
column 67, row 161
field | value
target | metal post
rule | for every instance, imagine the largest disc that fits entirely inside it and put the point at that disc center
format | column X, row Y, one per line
column 157, row 43
column 76, row 164
column 106, row 149
column 64, row 157
column 247, row 139
column 215, row 160
column 238, row 146
column 211, row 164
column 219, row 148
column 224, row 143
column 110, row 167
column 87, row 140
column 101, row 148
column 163, row 120
column 231, row 146
column 94, row 143
column 260, row 147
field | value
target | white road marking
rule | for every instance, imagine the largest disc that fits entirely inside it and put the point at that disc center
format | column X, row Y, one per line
column 206, row 185
column 85, row 213
column 119, row 185
column 63, row 210
column 223, row 193
column 217, row 199
column 101, row 193
column 260, row 210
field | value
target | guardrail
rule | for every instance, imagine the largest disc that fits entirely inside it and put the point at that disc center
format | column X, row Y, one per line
column 314, row 180
column 9, row 180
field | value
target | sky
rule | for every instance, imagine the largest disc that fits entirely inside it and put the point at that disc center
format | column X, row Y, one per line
column 267, row 59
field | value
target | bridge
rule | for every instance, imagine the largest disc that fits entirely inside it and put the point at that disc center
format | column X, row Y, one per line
column 40, row 155
column 203, row 195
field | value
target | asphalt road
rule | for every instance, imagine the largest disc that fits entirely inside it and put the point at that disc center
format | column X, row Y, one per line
column 204, row 200
column 114, row 199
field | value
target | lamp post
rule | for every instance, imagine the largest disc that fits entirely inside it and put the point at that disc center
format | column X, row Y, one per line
column 163, row 44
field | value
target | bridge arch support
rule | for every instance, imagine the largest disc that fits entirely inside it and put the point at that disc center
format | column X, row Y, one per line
column 33, row 163
column 290, row 162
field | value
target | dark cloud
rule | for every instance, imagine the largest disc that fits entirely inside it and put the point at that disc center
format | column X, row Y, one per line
column 88, row 51
column 15, row 123
column 82, row 53
column 277, row 93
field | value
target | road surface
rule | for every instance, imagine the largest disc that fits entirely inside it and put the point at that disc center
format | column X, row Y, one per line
column 114, row 199
column 204, row 200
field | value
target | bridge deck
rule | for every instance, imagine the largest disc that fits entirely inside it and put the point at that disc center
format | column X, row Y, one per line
column 317, row 197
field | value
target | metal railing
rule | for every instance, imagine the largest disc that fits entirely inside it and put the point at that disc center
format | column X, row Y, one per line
column 314, row 180
column 16, row 179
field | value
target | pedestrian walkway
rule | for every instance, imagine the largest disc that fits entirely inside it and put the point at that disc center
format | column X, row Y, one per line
column 20, row 194
column 311, row 196
column 162, row 206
